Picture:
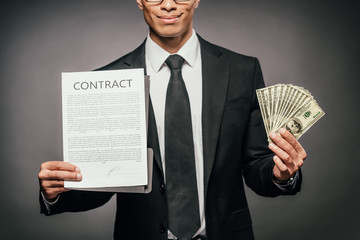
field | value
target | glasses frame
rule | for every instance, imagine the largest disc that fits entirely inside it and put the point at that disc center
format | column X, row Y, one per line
column 160, row 1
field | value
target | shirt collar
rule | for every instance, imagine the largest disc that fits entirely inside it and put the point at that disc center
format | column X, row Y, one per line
column 157, row 56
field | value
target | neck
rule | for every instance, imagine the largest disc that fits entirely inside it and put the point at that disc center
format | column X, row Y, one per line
column 171, row 44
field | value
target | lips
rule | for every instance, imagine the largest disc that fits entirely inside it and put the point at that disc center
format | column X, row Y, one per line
column 169, row 19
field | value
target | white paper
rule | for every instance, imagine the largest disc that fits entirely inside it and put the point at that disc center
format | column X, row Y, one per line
column 104, row 127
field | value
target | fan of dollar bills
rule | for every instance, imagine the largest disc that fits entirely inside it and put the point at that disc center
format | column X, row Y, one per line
column 290, row 107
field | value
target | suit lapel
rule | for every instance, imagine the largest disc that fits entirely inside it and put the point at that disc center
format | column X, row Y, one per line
column 215, row 73
column 136, row 59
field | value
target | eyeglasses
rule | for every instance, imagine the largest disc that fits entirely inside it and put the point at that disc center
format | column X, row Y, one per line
column 160, row 1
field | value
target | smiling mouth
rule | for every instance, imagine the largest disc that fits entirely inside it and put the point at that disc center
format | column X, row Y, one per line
column 169, row 18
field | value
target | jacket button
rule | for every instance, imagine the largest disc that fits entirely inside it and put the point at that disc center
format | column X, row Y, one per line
column 162, row 228
column 162, row 188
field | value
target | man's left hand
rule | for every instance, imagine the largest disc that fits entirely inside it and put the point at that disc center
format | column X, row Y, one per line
column 289, row 154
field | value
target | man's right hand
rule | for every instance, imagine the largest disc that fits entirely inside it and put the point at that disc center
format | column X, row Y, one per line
column 52, row 175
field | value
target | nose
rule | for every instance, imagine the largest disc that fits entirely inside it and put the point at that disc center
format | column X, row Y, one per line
column 168, row 5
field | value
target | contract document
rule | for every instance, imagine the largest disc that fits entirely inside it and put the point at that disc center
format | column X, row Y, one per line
column 104, row 129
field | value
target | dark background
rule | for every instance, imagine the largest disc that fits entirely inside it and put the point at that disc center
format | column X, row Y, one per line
column 314, row 44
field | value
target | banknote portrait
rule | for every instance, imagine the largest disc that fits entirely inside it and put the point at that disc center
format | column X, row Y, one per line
column 294, row 126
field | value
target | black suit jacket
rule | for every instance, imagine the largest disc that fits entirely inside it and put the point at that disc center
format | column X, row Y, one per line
column 235, row 147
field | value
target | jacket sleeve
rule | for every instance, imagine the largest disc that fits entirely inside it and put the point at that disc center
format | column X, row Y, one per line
column 259, row 164
column 75, row 201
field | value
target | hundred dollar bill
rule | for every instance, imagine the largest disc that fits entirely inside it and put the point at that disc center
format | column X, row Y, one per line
column 303, row 119
column 288, row 106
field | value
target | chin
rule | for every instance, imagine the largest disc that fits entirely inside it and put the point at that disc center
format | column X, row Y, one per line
column 168, row 31
column 171, row 33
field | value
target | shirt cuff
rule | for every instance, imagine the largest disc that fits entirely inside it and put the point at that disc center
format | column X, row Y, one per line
column 289, row 184
column 48, row 203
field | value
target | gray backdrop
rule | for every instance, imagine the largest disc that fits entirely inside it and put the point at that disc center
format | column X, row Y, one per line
column 314, row 44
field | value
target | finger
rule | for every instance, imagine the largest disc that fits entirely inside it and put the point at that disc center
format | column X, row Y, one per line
column 59, row 175
column 284, row 156
column 299, row 162
column 294, row 143
column 59, row 165
column 52, row 193
column 280, row 171
column 280, row 165
column 52, row 183
column 64, row 175
column 284, row 145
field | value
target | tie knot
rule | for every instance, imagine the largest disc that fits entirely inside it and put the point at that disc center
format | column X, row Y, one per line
column 174, row 61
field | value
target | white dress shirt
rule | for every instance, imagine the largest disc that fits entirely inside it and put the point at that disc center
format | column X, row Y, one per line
column 159, row 74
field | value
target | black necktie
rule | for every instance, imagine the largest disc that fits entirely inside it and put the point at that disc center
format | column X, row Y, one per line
column 181, row 185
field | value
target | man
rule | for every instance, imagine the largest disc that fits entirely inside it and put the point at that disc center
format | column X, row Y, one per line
column 294, row 126
column 229, row 140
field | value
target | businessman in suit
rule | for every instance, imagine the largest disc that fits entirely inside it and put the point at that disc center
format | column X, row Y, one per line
column 227, row 137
